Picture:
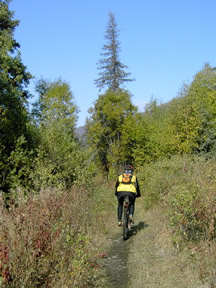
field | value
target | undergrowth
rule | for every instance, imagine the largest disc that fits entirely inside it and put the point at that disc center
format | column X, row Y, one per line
column 53, row 239
column 185, row 188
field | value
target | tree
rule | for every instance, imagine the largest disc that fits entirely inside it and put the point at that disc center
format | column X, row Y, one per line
column 112, row 74
column 203, row 92
column 151, row 137
column 185, row 125
column 106, row 124
column 59, row 156
column 13, row 80
column 55, row 104
column 14, row 118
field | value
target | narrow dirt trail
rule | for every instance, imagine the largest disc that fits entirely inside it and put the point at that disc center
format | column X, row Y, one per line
column 116, row 263
column 148, row 258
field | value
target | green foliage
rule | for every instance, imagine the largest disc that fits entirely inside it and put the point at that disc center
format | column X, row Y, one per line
column 60, row 160
column 20, row 166
column 185, row 188
column 206, row 137
column 14, row 118
column 106, row 126
column 203, row 92
column 55, row 104
column 57, row 238
column 185, row 125
column 112, row 75
column 150, row 137
column 49, row 241
column 193, row 120
column 13, row 79
column 129, row 136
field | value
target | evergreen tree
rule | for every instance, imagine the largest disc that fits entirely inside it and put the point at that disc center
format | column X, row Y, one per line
column 13, row 80
column 112, row 74
column 13, row 94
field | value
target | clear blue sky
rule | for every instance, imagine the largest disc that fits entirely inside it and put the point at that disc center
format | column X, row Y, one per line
column 164, row 43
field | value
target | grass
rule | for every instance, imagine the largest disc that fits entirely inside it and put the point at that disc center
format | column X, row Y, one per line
column 155, row 262
column 58, row 238
column 55, row 238
column 184, row 188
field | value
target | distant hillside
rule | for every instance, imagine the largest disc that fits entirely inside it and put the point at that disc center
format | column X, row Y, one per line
column 80, row 133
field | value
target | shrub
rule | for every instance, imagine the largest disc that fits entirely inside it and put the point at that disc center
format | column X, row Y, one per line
column 45, row 241
column 185, row 186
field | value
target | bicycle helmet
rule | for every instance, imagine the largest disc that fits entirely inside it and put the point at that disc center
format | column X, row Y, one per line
column 128, row 169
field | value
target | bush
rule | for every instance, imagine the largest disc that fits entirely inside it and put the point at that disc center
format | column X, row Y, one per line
column 185, row 186
column 45, row 241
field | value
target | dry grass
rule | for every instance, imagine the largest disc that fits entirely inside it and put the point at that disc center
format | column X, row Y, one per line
column 185, row 188
column 53, row 239
column 155, row 262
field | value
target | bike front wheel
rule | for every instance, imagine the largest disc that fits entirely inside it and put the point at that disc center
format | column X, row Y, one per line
column 125, row 223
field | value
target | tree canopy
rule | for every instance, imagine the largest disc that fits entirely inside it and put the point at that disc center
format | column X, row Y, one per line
column 105, row 126
column 112, row 73
column 40, row 149
column 14, row 118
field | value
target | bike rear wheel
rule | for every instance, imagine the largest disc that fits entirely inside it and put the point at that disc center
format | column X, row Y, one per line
column 125, row 218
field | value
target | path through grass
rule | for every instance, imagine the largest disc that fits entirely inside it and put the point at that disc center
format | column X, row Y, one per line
column 153, row 261
column 148, row 259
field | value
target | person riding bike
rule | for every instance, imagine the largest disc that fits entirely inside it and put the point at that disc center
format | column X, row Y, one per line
column 127, row 185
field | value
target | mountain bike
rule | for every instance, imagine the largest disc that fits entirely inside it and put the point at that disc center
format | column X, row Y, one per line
column 126, row 223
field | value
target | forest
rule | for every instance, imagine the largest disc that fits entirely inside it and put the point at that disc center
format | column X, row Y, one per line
column 57, row 190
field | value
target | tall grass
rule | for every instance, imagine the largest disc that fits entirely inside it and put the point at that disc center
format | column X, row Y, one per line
column 185, row 188
column 52, row 239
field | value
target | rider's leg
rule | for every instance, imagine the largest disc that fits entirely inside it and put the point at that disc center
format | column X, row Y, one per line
column 132, row 205
column 131, row 209
column 120, row 208
column 131, row 213
column 120, row 205
column 120, row 196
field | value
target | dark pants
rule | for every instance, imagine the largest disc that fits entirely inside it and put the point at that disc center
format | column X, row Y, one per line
column 120, row 196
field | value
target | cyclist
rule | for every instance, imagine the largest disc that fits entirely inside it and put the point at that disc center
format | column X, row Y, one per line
column 127, row 185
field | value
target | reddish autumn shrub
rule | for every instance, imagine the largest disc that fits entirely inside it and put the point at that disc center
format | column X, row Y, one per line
column 45, row 241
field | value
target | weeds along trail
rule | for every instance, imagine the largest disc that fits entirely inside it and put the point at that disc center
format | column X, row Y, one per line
column 153, row 261
column 185, row 188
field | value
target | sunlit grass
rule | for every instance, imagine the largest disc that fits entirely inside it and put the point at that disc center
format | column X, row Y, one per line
column 55, row 238
column 184, row 188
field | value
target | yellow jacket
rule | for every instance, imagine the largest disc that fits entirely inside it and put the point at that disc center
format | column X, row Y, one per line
column 127, row 187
